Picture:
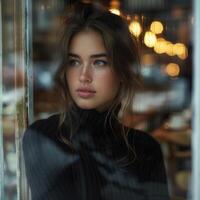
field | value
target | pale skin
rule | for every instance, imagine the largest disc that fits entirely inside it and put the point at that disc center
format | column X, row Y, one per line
column 92, row 82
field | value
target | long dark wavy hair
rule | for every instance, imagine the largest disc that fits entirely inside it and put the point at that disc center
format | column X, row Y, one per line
column 121, row 48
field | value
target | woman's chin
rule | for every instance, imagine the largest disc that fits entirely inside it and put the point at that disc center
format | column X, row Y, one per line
column 85, row 106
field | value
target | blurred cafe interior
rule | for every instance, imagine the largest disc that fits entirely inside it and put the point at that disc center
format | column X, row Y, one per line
column 162, row 106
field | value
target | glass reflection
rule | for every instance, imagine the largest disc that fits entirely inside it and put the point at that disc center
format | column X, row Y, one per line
column 162, row 107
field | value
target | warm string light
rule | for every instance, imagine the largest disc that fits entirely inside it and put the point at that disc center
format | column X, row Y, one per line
column 151, row 40
column 115, row 11
column 169, row 49
column 172, row 69
column 135, row 28
column 163, row 46
column 114, row 7
column 156, row 27
column 159, row 46
column 180, row 50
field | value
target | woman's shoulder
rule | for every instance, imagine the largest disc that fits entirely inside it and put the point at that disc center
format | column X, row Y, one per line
column 41, row 128
column 141, row 137
column 41, row 144
column 45, row 124
column 143, row 143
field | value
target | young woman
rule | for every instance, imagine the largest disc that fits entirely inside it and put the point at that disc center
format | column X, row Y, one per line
column 86, row 152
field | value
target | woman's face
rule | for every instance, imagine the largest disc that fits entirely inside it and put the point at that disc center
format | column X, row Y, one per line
column 91, row 81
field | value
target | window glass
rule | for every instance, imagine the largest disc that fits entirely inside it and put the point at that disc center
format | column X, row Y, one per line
column 162, row 108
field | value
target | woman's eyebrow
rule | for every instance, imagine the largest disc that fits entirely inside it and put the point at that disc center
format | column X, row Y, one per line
column 73, row 55
column 99, row 55
column 92, row 56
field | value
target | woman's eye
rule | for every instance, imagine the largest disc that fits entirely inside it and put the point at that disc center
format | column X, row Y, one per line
column 100, row 63
column 73, row 62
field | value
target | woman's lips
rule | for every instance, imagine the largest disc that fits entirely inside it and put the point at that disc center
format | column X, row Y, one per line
column 85, row 93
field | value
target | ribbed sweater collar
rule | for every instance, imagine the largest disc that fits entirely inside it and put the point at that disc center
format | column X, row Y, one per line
column 94, row 128
column 91, row 117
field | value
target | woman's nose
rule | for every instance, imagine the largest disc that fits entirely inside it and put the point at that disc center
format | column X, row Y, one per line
column 85, row 74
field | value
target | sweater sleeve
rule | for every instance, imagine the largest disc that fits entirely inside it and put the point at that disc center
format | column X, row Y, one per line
column 31, row 144
column 47, row 164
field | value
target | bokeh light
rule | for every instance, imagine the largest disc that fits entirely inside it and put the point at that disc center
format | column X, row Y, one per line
column 115, row 11
column 156, row 27
column 172, row 69
column 169, row 48
column 180, row 50
column 135, row 28
column 149, row 39
column 159, row 46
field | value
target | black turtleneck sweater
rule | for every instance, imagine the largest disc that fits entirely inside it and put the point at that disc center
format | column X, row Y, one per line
column 98, row 168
